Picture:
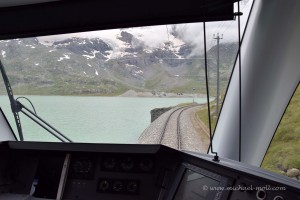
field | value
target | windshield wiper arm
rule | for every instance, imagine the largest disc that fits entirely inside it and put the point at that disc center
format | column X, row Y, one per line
column 14, row 106
column 17, row 107
column 34, row 117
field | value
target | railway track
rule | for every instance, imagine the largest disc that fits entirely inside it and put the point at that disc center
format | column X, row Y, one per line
column 164, row 131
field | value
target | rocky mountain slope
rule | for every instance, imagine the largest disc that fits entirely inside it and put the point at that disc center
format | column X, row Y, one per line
column 95, row 66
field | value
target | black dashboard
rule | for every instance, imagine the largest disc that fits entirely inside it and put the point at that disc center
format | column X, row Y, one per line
column 75, row 171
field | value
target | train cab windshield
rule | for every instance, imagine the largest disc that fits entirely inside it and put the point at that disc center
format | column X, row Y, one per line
column 140, row 85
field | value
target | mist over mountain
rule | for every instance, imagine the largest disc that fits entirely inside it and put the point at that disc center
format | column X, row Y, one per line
column 98, row 66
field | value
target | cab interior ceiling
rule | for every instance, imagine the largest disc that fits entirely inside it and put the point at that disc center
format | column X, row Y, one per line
column 66, row 16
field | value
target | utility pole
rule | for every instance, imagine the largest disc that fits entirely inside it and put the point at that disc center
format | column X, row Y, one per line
column 218, row 38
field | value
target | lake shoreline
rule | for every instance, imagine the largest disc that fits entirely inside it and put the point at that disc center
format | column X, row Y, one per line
column 138, row 95
column 133, row 93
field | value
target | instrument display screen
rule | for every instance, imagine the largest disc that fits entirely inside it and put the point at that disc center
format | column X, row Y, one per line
column 196, row 186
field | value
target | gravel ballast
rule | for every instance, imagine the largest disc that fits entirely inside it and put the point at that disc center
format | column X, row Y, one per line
column 193, row 138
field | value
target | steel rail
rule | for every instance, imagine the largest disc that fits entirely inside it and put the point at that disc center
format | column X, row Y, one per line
column 178, row 125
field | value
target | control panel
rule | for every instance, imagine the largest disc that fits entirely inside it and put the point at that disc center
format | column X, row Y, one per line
column 96, row 174
column 33, row 170
column 196, row 183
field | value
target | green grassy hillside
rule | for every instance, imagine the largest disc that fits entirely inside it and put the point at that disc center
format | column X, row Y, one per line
column 203, row 115
column 284, row 151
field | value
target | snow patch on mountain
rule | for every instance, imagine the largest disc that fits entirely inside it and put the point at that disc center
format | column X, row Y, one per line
column 94, row 52
column 3, row 53
column 83, row 42
column 66, row 56
column 31, row 46
column 5, row 41
column 128, row 65
column 139, row 72
column 108, row 54
column 148, row 50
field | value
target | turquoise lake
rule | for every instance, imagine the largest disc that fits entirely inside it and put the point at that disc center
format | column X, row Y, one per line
column 91, row 119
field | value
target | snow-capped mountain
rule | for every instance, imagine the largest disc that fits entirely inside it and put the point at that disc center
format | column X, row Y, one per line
column 101, row 65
